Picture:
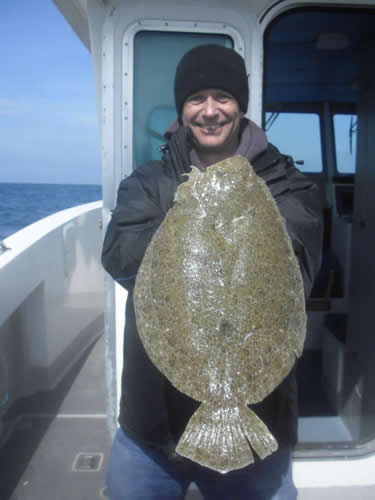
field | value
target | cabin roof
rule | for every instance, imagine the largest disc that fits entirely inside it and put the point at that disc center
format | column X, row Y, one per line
column 76, row 14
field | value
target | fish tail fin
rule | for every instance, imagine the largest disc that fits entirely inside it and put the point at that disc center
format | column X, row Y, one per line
column 218, row 438
column 257, row 433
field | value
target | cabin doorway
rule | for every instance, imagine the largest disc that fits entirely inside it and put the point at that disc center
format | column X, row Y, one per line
column 319, row 106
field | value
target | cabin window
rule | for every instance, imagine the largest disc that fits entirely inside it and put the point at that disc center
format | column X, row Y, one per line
column 156, row 55
column 345, row 129
column 297, row 134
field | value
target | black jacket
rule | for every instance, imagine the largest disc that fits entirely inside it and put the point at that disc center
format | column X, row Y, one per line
column 151, row 410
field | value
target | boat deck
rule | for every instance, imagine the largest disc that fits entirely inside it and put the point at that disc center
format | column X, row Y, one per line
column 59, row 449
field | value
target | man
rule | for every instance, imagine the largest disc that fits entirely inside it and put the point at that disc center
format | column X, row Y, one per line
column 211, row 94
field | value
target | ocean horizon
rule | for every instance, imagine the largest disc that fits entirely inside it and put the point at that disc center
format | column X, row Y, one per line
column 22, row 204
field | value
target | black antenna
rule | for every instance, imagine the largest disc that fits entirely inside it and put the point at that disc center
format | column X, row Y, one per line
column 352, row 130
column 271, row 120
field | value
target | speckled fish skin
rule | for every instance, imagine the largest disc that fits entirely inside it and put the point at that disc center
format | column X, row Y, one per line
column 220, row 309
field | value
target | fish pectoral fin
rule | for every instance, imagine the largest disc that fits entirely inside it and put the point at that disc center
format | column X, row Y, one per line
column 260, row 438
column 215, row 438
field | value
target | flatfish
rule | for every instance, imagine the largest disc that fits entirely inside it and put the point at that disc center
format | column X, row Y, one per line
column 220, row 309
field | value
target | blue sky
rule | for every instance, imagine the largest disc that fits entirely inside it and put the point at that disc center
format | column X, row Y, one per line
column 48, row 123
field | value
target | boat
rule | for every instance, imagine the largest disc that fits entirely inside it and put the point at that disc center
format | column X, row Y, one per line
column 311, row 79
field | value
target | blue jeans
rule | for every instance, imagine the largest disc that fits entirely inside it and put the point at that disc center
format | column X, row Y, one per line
column 138, row 472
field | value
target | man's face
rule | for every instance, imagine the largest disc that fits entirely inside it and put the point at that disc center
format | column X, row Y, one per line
column 214, row 118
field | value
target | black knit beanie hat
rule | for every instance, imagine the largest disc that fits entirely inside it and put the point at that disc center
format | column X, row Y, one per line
column 211, row 66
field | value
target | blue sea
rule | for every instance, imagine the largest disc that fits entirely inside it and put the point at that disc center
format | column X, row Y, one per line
column 23, row 204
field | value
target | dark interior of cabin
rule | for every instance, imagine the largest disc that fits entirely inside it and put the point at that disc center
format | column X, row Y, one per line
column 318, row 98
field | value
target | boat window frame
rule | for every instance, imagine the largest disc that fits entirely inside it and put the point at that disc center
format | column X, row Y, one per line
column 196, row 27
